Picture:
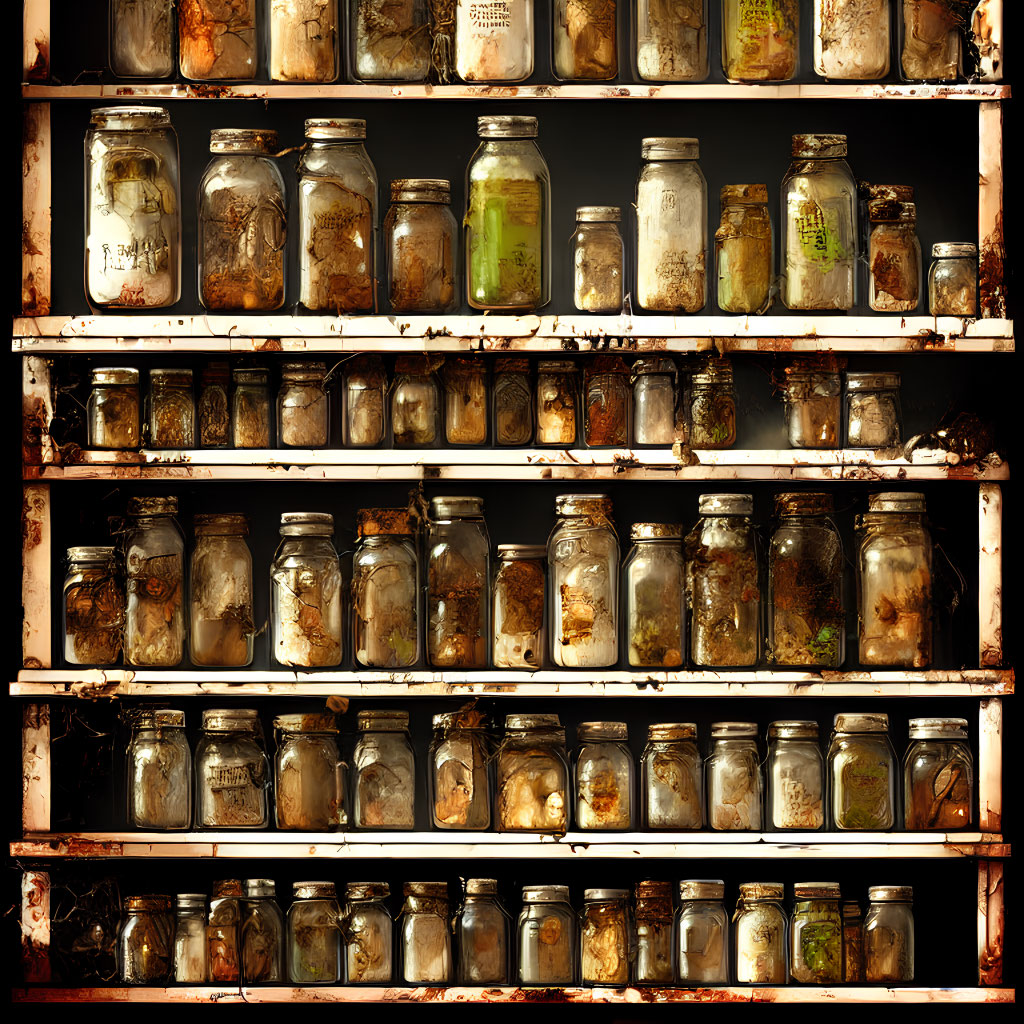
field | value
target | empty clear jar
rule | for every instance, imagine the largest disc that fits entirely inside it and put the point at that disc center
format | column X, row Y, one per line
column 557, row 387
column 812, row 399
column 546, row 936
column 702, row 932
column 894, row 257
column 851, row 39
column 384, row 770
column 223, row 932
column 743, row 250
column 112, row 411
column 604, row 777
column 366, row 934
column 142, row 38
column 816, row 934
column 303, row 40
column 424, row 934
column 873, row 418
column 938, row 776
column 93, row 607
column 655, row 596
column 606, row 402
column 190, row 939
column 760, row 41
column 533, row 776
column 653, row 919
column 460, row 777
column 416, row 402
column 217, row 41
column 889, row 934
column 929, row 40
column 735, row 785
column 953, row 279
column 512, row 398
column 598, row 259
column 606, row 937
column 585, row 40
column 250, row 409
column 145, row 942
column 389, row 42
column 309, row 775
column 465, row 401
column 861, row 774
column 172, row 409
column 159, row 771
column 482, row 935
column 520, row 638
column 303, row 406
column 232, row 771
column 672, row 40
column 364, row 387
column 494, row 41
column 796, row 777
column 760, row 927
column 713, row 406
column 654, row 402
column 213, row 410
column 262, row 933
column 672, row 773
column 314, row 938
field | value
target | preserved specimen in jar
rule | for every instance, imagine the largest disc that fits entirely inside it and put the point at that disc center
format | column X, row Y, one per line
column 598, row 256
column 533, row 775
column 861, row 773
column 606, row 402
column 366, row 933
column 853, row 942
column 851, row 39
column 655, row 596
column 460, row 752
column 894, row 257
column 309, row 776
column 518, row 616
column 811, row 393
column 760, row 40
column 250, row 408
column 546, row 936
column 604, row 777
column 702, row 929
column 713, row 406
column 889, row 934
column 112, row 411
column 159, row 771
column 303, row 407
column 223, row 932
column 145, row 942
column 673, row 777
column 734, row 777
column 796, row 777
column 953, row 279
column 190, row 939
column 816, row 934
column 938, row 775
column 390, row 40
column 213, row 411
column 872, row 410
column 172, row 411
column 262, row 933
column 232, row 772
column 760, row 929
column 606, row 937
column 465, row 400
column 385, row 771
column 303, row 40
column 672, row 40
column 653, row 933
column 481, row 929
column 425, row 940
column 93, row 607
column 556, row 402
column 585, row 40
column 513, row 402
column 743, row 250
column 314, row 938
column 141, row 38
column 416, row 401
column 419, row 240
column 365, row 387
column 494, row 40
column 654, row 401
column 930, row 40
column 217, row 39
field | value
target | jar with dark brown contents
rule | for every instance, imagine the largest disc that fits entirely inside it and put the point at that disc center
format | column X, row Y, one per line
column 460, row 771
column 262, row 934
column 713, row 406
column 938, row 776
column 223, row 932
column 250, row 408
column 812, row 392
column 217, row 41
column 585, row 40
column 512, row 400
column 853, row 942
column 213, row 410
column 653, row 934
column 172, row 410
column 482, row 933
column 93, row 607
column 309, row 775
column 465, row 401
column 364, row 387
column 145, row 942
column 416, row 402
column 112, row 411
column 894, row 257
column 556, row 402
column 606, row 937
column 303, row 407
column 607, row 402
column 520, row 638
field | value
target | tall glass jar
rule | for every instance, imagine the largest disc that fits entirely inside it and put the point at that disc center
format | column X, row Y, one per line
column 145, row 942
column 607, row 943
column 242, row 222
column 458, row 575
column 598, row 259
column 389, row 42
column 889, row 934
column 303, row 40
column 796, row 777
column 337, row 218
column 533, row 775
column 232, row 771
column 723, row 583
column 604, row 777
column 465, row 401
column 713, row 406
column 159, row 771
column 894, row 257
column 416, row 402
column 851, row 39
column 171, row 409
column 938, row 776
column 112, row 411
column 606, row 402
column 190, row 939
column 424, row 934
column 872, row 410
column 508, row 216
column 217, row 41
column 894, row 581
column 653, row 919
column 546, row 937
column 482, row 930
column 702, row 932
column 760, row 926
column 250, row 408
column 494, row 41
column 512, row 399
column 154, row 562
column 262, row 933
column 314, row 936
column 655, row 602
column 655, row 386
column 585, row 40
column 306, row 592
column 309, row 774
column 93, row 607
column 384, row 772
column 213, row 410
column 385, row 590
column 735, row 785
column 133, row 209
column 861, row 774
column 816, row 934
column 819, row 225
column 364, row 389
column 853, row 942
column 142, row 38
column 953, row 279
column 760, row 41
column 520, row 638
column 366, row 934
column 812, row 393
column 672, row 777
column 557, row 388
column 460, row 772
column 743, row 250
column 929, row 40
column 672, row 40
column 583, row 574
column 303, row 406
column 806, row 618
column 223, row 932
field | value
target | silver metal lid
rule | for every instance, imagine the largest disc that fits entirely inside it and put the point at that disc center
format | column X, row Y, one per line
column 421, row 190
column 583, row 505
column 793, row 730
column 382, row 721
column 130, row 118
column 506, row 126
column 191, row 900
column 314, row 890
column 587, row 732
column 596, row 895
column 221, row 524
column 261, row 141
column 656, row 531
column 260, row 887
column 521, row 552
column 847, row 722
column 307, row 524
column 819, row 147
column 938, row 728
column 545, row 894
column 660, row 147
column 713, row 371
column 762, row 890
column 455, row 507
column 481, row 887
column 803, row 503
column 598, row 214
column 115, row 375
column 891, row 893
column 367, row 890
column 909, row 502
column 733, row 730
column 954, row 250
column 654, row 364
column 702, row 889
column 872, row 381
column 305, row 372
column 662, row 732
column 816, row 890
column 231, row 720
column 725, row 504
column 91, row 555
column 335, row 128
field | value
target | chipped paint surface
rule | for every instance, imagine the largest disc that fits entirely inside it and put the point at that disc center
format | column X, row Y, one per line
column 992, row 253
column 991, row 922
column 36, row 40
column 35, row 927
column 35, row 768
column 35, row 578
column 990, row 575
column 35, row 242
column 990, row 765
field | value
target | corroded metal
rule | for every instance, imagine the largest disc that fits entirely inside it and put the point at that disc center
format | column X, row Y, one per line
column 35, row 768
column 990, row 575
column 992, row 247
column 35, row 927
column 35, row 576
column 36, row 257
column 990, row 765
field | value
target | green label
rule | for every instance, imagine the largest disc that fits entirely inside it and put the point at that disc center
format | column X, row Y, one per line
column 818, row 237
column 759, row 14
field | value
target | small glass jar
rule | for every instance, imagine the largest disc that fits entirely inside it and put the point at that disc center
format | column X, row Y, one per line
column 309, row 775
column 702, row 932
column 389, row 42
column 217, row 41
column 384, row 772
column 929, row 40
column 713, row 406
column 760, row 926
column 953, row 279
column 672, row 777
column 314, row 936
column 672, row 40
column 598, row 259
column 303, row 406
column 367, row 934
column 159, row 771
column 546, row 937
column 796, row 777
column 416, row 402
column 465, row 401
column 606, row 402
column 93, row 607
column 112, row 410
column 851, row 40
column 424, row 934
column 145, row 942
column 520, row 638
column 190, row 939
column 653, row 917
column 735, row 785
column 743, row 250
column 894, row 257
column 303, row 40
column 607, row 944
column 482, row 930
column 889, row 934
column 460, row 776
column 861, row 774
column 213, row 410
column 812, row 398
column 250, row 408
column 532, row 776
column 232, row 771
column 585, row 40
column 655, row 402
column 873, row 415
column 760, row 43
column 262, row 934
column 806, row 617
column 364, row 387
column 938, row 776
column 386, row 590
column 816, row 934
column 512, row 400
column 853, row 942
column 654, row 596
column 557, row 388
column 223, row 932
column 172, row 409
column 494, row 41
column 142, row 38
column 604, row 777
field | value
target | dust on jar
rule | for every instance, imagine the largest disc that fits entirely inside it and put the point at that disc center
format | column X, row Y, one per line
column 796, row 777
column 743, row 250
column 232, row 771
column 760, row 41
column 512, row 400
column 851, row 39
column 306, row 592
column 653, row 919
column 389, row 41
column 520, row 638
column 508, row 217
column 242, row 222
column 250, row 408
column 213, row 409
column 873, row 410
column 889, row 934
column 585, row 40
column 735, row 785
column 819, row 225
column 583, row 570
column 482, row 930
column 894, row 257
column 190, row 939
column 606, row 937
column 303, row 40
column 309, row 775
column 494, row 40
column 364, row 387
column 861, row 774
column 337, row 218
column 953, row 279
column 853, row 942
column 262, row 933
column 314, row 936
column 546, row 936
column 557, row 387
column 460, row 776
column 424, row 934
column 929, row 40
column 702, row 931
column 811, row 394
column 303, row 406
column 385, row 589
column 223, row 935
column 606, row 402
column 604, row 777
column 760, row 926
column 172, row 410
column 938, row 776
column 366, row 933
column 713, row 405
column 672, row 40
column 672, row 777
column 416, row 401
column 533, row 775
column 598, row 257
column 112, row 410
column 672, row 227
column 133, row 209
column 816, row 934
column 655, row 596
column 806, row 617
column 654, row 401
column 458, row 576
column 141, row 38
column 384, row 772
column 465, row 400
column 145, row 942
column 159, row 770
column 217, row 41
column 93, row 607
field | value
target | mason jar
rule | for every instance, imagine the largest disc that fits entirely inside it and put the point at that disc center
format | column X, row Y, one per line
column 218, row 41
column 760, row 43
column 655, row 596
column 584, row 40
column 873, row 410
column 760, row 926
column 190, row 939
column 607, row 943
column 213, row 409
column 816, row 934
column 861, row 774
column 303, row 406
column 702, row 932
column 796, row 777
column 306, row 592
column 171, row 412
column 112, row 410
column 953, row 279
column 653, row 919
column 512, row 400
column 142, row 38
column 250, row 408
column 604, row 777
column 232, row 771
column 520, row 638
column 713, row 406
column 938, row 776
column 494, row 41
column 366, row 934
column 314, row 936
column 159, row 771
column 93, row 600
column 894, row 257
column 672, row 773
column 389, row 42
column 655, row 402
column 929, row 40
column 598, row 258
column 532, row 776
column 557, row 391
column 606, row 402
column 812, row 392
column 889, row 934
column 309, row 774
column 744, row 250
column 303, row 40
column 735, row 785
column 384, row 772
column 672, row 40
column 465, row 401
column 416, row 402
column 364, row 390
column 460, row 772
column 508, row 213
column 133, row 209
column 546, row 937
column 424, row 934
column 262, row 934
column 853, row 942
column 851, row 40
column 145, row 941
column 337, row 218
column 482, row 930
column 223, row 932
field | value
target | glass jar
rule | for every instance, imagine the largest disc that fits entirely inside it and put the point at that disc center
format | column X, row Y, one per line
column 190, row 939
column 819, row 226
column 337, row 218
column 217, row 41
column 494, row 41
column 796, row 777
column 653, row 934
column 606, row 402
column 743, row 250
column 953, row 279
column 389, row 42
column 366, row 934
column 112, row 411
column 851, row 39
column 604, row 777
column 655, row 383
column 303, row 406
column 702, row 932
column 512, row 400
column 309, row 775
column 458, row 575
column 806, row 618
column 873, row 410
column 520, row 638
column 250, row 410
column 713, row 406
column 482, row 929
column 598, row 259
column 303, row 40
column 557, row 387
column 812, row 398
column 141, row 38
column 460, row 778
column 546, row 936
column 672, row 226
column 760, row 927
column 894, row 581
column 929, row 40
column 938, row 776
column 894, row 257
column 585, row 40
column 384, row 769
column 723, row 583
column 145, row 942
column 416, row 402
column 606, row 937
column 672, row 40
column 465, row 401
column 889, row 934
column 425, row 939
column 314, row 935
column 508, row 218
column 154, row 561
column 159, row 771
column 93, row 607
column 172, row 409
column 853, row 942
column 133, row 209
column 262, row 933
column 861, row 774
column 386, row 590
column 213, row 410
column 223, row 932
column 533, row 776
column 364, row 387
column 760, row 41
column 242, row 223
column 306, row 592
column 735, row 785
column 672, row 777
column 654, row 596
column 816, row 934
column 232, row 770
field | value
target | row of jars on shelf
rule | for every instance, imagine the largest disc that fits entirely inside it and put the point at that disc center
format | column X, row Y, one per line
column 524, row 782
column 133, row 250
column 560, row 602
column 618, row 938
column 494, row 41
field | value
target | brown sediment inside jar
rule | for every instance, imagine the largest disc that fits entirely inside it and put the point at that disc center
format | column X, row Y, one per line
column 314, row 933
column 217, row 39
column 466, row 403
column 954, row 288
column 156, row 584
column 928, row 51
column 422, row 268
column 521, row 583
column 940, row 796
column 367, row 946
column 339, row 254
column 736, row 806
column 656, row 636
column 853, row 952
column 214, row 418
column 598, row 273
column 93, row 617
column 306, row 639
column 730, row 581
column 872, row 421
column 607, row 389
column 602, row 802
column 654, row 939
column 556, row 409
column 894, row 267
column 532, row 794
column 222, row 955
column 679, row 283
column 116, row 418
column 304, row 415
column 386, row 632
column 713, row 420
column 797, row 801
column 172, row 425
column 587, row 47
column 252, row 419
column 744, row 245
column 366, row 416
column 460, row 775
column 391, row 41
column 513, row 422
column 454, row 611
column 897, row 627
column 307, row 788
column 261, row 938
column 604, row 955
column 233, row 794
column 808, row 615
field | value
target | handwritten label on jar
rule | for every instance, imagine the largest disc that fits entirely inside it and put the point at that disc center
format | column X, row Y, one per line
column 490, row 15
column 337, row 271
column 818, row 235
column 759, row 14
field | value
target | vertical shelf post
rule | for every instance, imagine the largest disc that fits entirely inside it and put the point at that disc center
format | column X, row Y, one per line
column 990, row 576
column 35, row 768
column 35, row 927
column 35, row 41
column 991, row 246
column 991, row 919
column 36, row 411
column 987, row 29
column 35, row 576
column 990, row 765
column 36, row 185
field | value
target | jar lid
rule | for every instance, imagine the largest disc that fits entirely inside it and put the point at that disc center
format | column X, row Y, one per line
column 938, row 728
column 130, row 118
column 656, row 531
column 600, row 895
column 364, row 371
column 367, row 890
column 481, row 887
column 382, row 721
column 306, row 723
column 662, row 148
column 816, row 890
column 181, row 377
column 160, row 718
column 545, row 894
column 605, row 362
column 583, row 505
column 793, row 730
column 162, row 506
column 312, row 371
column 307, row 524
column 872, row 381
column 506, row 126
column 702, row 889
column 591, row 731
column 889, row 211
column 262, row 141
column 725, row 505
column 512, row 364
column 851, row 908
column 115, row 375
column 894, row 193
column 467, row 718
column 152, row 904
column 847, row 722
column 654, row 364
column 421, row 190
column 225, row 888
column 891, row 893
column 455, row 507
column 231, row 720
column 91, row 555
column 215, row 373
column 954, row 250
column 744, row 195
column 314, row 890
column 714, row 371
column 260, row 887
column 556, row 366
column 226, row 523
column 651, row 890
column 251, row 375
column 897, row 501
column 524, row 723
column 335, row 128
column 762, row 890
column 430, row 890
column 598, row 214
column 383, row 522
column 661, row 732
column 803, row 503
column 521, row 552
column 819, row 147
column 191, row 900
column 806, row 370
column 733, row 730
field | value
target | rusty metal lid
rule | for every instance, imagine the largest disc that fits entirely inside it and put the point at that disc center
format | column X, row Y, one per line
column 258, row 141
column 713, row 371
column 851, row 909
column 506, row 126
column 725, row 504
column 115, row 375
column 481, row 887
column 91, row 555
column 339, row 128
column 583, row 505
column 598, row 214
column 816, row 891
column 130, row 119
column 743, row 195
column 231, row 720
column 886, row 211
column 314, row 890
column 455, row 507
column 225, row 888
column 954, row 250
column 159, row 718
column 652, row 890
column 521, row 552
column 228, row 524
column 793, row 730
column 468, row 718
column 750, row 891
column 803, row 503
column 421, row 190
column 162, row 506
column 306, row 524
column 589, row 732
column 603, row 895
column 557, row 366
column 819, row 147
column 733, row 730
column 306, row 723
column 886, row 381
column 382, row 721
column 656, row 531
column 367, row 890
column 177, row 377
column 906, row 502
column 891, row 893
column 148, row 904
column 663, row 732
column 859, row 722
column 938, row 728
column 893, row 193
column 428, row 890
column 304, row 372
column 383, row 522
column 702, row 889
column 660, row 147
column 545, row 894
column 529, row 723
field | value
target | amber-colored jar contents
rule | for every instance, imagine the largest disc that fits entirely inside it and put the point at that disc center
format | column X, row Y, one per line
column 145, row 942
column 93, row 607
column 250, row 408
column 513, row 402
column 607, row 402
column 743, row 250
column 113, row 408
column 894, row 257
column 223, row 932
column 556, row 402
column 713, row 406
column 213, row 409
column 584, row 39
column 172, row 410
column 303, row 40
column 465, row 400
column 938, row 776
column 217, row 39
column 760, row 40
column 518, row 617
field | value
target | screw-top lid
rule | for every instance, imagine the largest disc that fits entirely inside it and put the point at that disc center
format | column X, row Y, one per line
column 891, row 893
column 173, row 377
column 506, row 126
column 335, row 128
column 304, row 373
column 258, row 375
column 304, row 723
column 652, row 890
column 762, row 890
column 819, row 147
column 159, row 718
column 654, row 365
column 713, row 371
column 598, row 214
column 908, row 502
column 155, row 904
column 262, row 141
column 816, row 890
column 590, row 732
column 307, row 524
column 954, row 250
column 601, row 895
column 191, row 901
column 556, row 366
column 938, row 728
column 853, row 723
column 364, row 371
column 421, row 190
column 467, row 718
column 702, row 889
column 314, row 890
column 545, row 894
column 885, row 211
column 851, row 909
column 662, row 148
column 227, row 888
column 892, row 193
column 221, row 524
column 91, row 555
column 130, row 119
column 521, row 552
column 528, row 723
column 367, row 890
column 382, row 721
column 455, row 507
column 231, row 720
column 744, row 195
column 429, row 890
column 872, row 381
column 115, row 375
column 725, row 504
column 162, row 506
column 803, row 503
column 583, row 505
column 481, row 887
column 662, row 732
column 656, row 531
column 255, row 887
column 793, row 730
column 383, row 522
column 733, row 730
